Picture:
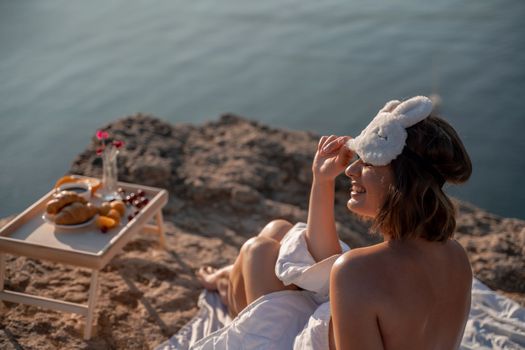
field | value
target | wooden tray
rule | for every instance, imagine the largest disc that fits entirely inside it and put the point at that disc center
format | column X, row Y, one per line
column 30, row 235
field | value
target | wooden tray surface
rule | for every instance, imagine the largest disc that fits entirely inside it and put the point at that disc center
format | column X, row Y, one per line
column 30, row 235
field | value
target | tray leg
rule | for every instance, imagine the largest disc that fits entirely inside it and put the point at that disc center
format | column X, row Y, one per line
column 2, row 276
column 160, row 225
column 92, row 300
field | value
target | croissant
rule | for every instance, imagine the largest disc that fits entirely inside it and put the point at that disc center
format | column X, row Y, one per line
column 75, row 213
column 61, row 199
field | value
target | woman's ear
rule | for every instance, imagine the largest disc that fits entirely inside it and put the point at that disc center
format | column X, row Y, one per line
column 413, row 110
column 389, row 106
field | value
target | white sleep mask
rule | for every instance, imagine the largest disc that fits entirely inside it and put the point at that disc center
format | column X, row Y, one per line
column 384, row 138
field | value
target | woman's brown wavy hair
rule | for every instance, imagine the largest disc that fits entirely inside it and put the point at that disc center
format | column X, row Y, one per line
column 416, row 205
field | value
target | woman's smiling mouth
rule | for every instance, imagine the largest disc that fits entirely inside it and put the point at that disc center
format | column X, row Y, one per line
column 357, row 189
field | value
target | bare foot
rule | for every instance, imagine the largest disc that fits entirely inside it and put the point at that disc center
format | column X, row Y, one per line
column 216, row 279
column 223, row 285
column 209, row 276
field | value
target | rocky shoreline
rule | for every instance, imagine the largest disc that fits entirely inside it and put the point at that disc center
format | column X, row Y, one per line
column 226, row 179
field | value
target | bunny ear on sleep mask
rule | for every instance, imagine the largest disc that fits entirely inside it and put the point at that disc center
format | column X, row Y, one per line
column 384, row 138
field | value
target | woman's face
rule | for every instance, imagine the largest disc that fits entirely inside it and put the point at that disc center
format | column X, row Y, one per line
column 369, row 187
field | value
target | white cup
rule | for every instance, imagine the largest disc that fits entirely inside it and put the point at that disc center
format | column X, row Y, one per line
column 83, row 189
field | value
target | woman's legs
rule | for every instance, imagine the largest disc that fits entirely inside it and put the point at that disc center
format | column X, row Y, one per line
column 275, row 229
column 253, row 273
column 209, row 276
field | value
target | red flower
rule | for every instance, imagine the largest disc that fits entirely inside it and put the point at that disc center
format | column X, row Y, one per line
column 102, row 135
column 118, row 143
column 106, row 141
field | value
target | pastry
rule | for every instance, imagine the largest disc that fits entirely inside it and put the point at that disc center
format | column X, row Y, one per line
column 119, row 206
column 62, row 199
column 75, row 213
column 104, row 208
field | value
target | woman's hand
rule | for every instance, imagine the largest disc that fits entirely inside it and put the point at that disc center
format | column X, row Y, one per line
column 331, row 158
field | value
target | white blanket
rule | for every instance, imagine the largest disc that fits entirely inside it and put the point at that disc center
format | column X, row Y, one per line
column 299, row 319
column 495, row 322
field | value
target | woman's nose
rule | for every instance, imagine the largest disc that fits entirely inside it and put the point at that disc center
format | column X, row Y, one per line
column 354, row 169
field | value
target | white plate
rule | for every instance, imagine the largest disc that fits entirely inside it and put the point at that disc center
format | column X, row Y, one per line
column 49, row 219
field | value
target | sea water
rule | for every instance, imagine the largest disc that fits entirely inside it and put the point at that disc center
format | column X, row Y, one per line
column 70, row 67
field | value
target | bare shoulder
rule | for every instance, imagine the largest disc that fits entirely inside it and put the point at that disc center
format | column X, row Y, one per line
column 362, row 257
column 357, row 270
column 365, row 258
column 376, row 267
column 458, row 248
column 460, row 254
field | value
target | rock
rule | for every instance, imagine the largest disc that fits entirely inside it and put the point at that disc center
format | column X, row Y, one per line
column 155, row 171
column 243, row 195
column 496, row 247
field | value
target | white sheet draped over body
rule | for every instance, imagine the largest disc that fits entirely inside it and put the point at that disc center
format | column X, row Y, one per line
column 300, row 319
column 286, row 319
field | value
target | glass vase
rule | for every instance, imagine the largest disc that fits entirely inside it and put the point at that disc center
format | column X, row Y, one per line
column 109, row 175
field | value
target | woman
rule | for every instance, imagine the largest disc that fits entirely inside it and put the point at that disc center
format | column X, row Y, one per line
column 410, row 292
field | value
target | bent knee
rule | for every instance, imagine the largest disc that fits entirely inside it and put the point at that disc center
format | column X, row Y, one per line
column 260, row 246
column 276, row 229
column 278, row 225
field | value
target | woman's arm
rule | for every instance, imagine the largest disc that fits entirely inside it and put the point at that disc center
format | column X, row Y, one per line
column 330, row 160
column 354, row 295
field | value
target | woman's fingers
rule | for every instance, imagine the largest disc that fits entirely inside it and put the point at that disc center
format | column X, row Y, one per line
column 325, row 140
column 345, row 155
column 334, row 144
column 322, row 140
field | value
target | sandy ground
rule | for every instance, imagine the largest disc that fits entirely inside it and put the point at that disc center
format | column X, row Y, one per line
column 146, row 293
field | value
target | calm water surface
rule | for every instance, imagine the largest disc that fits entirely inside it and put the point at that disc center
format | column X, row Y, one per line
column 68, row 68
